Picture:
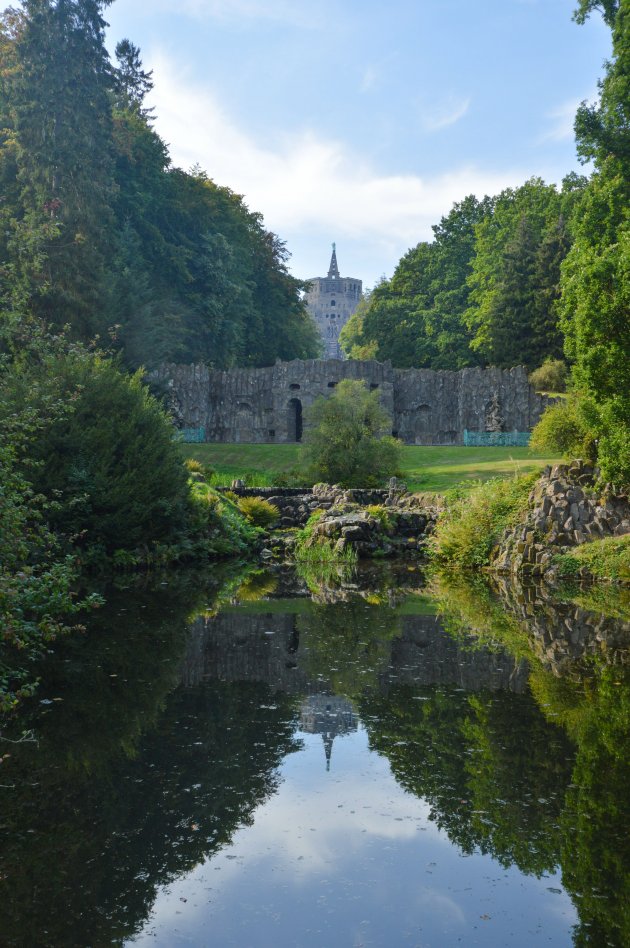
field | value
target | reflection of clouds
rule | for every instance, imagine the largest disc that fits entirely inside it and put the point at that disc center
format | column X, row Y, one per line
column 352, row 856
column 441, row 904
column 312, row 823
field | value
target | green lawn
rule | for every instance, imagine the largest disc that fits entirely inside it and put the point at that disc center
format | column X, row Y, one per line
column 429, row 469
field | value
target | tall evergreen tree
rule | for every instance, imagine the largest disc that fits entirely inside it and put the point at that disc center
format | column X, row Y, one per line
column 62, row 115
column 512, row 300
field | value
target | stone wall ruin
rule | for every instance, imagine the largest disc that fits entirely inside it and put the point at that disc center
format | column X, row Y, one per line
column 425, row 406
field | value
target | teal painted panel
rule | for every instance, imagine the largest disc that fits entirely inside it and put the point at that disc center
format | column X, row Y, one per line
column 191, row 435
column 496, row 439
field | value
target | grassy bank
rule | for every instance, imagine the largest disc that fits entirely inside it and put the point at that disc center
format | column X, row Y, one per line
column 430, row 469
column 607, row 559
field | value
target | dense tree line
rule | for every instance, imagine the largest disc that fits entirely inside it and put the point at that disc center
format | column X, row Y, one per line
column 533, row 275
column 100, row 232
column 483, row 292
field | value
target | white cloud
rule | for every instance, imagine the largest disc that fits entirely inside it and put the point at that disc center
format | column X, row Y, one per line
column 447, row 114
column 561, row 120
column 305, row 181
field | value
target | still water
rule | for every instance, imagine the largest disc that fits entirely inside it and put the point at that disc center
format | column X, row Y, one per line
column 274, row 760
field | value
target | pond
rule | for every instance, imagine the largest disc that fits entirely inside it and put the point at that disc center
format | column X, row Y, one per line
column 371, row 759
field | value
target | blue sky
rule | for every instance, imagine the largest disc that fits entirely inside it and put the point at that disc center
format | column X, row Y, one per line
column 362, row 121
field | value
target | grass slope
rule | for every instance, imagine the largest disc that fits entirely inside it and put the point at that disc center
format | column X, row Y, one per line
column 430, row 469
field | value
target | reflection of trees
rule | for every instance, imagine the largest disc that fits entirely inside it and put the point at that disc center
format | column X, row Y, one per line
column 120, row 794
column 347, row 643
column 134, row 781
column 498, row 777
column 493, row 771
column 596, row 819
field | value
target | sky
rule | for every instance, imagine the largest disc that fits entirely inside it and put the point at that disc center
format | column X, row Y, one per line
column 363, row 121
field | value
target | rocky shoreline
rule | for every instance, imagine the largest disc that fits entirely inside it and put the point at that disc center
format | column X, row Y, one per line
column 566, row 508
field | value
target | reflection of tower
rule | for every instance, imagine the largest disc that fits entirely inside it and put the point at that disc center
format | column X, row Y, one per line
column 329, row 716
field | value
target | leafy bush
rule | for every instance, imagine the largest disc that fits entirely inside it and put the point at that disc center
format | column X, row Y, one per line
column 258, row 511
column 611, row 421
column 216, row 528
column 550, row 377
column 564, row 428
column 470, row 525
column 110, row 464
column 345, row 441
column 579, row 426
column 36, row 580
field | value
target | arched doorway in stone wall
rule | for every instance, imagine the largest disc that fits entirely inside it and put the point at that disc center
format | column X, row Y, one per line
column 294, row 421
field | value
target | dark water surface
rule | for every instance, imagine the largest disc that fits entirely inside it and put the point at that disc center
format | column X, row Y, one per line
column 267, row 760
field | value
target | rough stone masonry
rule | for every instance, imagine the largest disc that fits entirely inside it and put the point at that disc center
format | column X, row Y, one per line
column 425, row 406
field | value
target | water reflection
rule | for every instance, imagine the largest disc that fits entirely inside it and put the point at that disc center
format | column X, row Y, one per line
column 164, row 744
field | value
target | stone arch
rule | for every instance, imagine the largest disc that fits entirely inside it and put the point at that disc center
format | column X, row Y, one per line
column 294, row 420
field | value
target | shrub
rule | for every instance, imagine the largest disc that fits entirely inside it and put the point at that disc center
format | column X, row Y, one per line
column 383, row 515
column 470, row 525
column 258, row 511
column 195, row 469
column 216, row 528
column 611, row 421
column 36, row 580
column 550, row 377
column 110, row 464
column 345, row 442
column 564, row 428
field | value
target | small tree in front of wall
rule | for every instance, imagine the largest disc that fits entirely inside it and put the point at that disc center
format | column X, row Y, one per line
column 345, row 441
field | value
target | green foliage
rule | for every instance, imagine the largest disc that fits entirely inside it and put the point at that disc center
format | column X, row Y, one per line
column 484, row 291
column 595, row 307
column 111, row 465
column 37, row 601
column 382, row 514
column 470, row 525
column 515, row 278
column 313, row 549
column 415, row 319
column 564, row 428
column 215, row 527
column 258, row 511
column 344, row 442
column 322, row 551
column 607, row 559
column 57, row 102
column 100, row 232
column 550, row 377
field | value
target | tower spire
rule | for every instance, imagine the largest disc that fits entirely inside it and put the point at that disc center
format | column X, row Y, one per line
column 333, row 269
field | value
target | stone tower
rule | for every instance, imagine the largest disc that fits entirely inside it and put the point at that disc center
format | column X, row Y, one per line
column 332, row 300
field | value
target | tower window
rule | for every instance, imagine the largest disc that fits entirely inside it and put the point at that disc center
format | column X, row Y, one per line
column 332, row 303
